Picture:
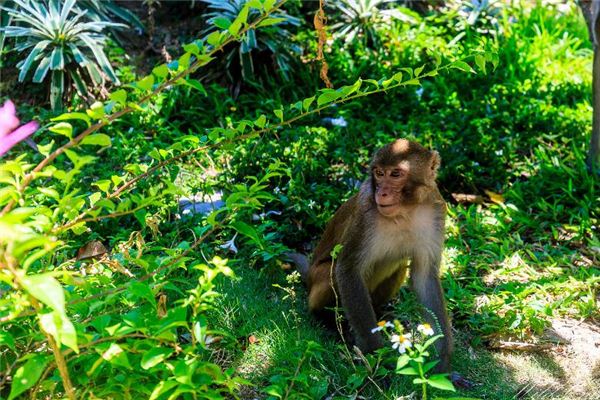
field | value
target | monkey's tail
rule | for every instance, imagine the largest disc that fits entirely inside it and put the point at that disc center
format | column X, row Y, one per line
column 301, row 262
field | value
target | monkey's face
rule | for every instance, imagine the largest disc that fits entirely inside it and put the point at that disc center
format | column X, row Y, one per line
column 403, row 173
column 391, row 188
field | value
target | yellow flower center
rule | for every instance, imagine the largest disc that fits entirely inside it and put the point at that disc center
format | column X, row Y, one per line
column 381, row 324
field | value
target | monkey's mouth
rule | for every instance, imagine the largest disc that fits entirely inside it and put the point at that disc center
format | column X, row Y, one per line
column 388, row 210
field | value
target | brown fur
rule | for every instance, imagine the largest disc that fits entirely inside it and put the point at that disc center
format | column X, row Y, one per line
column 394, row 223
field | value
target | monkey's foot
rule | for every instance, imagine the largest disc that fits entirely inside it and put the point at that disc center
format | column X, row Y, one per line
column 459, row 381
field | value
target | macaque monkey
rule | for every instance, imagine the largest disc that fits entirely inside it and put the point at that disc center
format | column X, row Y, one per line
column 393, row 224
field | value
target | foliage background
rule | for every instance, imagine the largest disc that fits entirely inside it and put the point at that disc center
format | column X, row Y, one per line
column 188, row 305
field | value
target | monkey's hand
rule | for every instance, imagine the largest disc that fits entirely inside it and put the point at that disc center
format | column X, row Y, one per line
column 370, row 343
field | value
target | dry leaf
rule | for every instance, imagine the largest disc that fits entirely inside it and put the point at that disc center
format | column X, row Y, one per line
column 467, row 198
column 92, row 250
column 161, row 305
column 495, row 197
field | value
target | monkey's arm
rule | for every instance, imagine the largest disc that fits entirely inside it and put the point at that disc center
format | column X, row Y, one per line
column 356, row 300
column 426, row 284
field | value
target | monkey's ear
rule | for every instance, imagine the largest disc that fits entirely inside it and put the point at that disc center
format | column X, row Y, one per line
column 434, row 163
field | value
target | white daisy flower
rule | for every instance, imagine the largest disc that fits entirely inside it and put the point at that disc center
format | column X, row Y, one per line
column 401, row 342
column 381, row 325
column 425, row 329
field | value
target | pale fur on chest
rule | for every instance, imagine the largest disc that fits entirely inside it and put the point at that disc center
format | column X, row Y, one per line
column 392, row 244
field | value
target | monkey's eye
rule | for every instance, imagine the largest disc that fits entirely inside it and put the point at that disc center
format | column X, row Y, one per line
column 397, row 173
column 379, row 173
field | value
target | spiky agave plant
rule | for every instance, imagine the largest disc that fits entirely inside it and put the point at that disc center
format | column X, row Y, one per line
column 56, row 37
column 273, row 41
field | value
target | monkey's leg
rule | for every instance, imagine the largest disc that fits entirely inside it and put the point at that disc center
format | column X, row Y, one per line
column 386, row 290
column 426, row 284
column 357, row 305
column 321, row 293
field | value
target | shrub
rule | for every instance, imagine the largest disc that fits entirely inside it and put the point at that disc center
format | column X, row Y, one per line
column 60, row 40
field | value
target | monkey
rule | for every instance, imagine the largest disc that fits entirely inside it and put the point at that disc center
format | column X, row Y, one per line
column 393, row 225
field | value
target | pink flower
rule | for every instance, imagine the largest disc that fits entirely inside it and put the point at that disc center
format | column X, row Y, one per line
column 10, row 131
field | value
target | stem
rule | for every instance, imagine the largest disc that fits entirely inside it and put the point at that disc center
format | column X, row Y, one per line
column 424, row 384
column 58, row 355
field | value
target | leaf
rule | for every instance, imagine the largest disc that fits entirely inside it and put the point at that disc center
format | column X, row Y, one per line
column 279, row 114
column 495, row 197
column 408, row 371
column 328, row 96
column 221, row 22
column 74, row 115
column 27, row 375
column 119, row 96
column 247, row 230
column 261, row 121
column 61, row 328
column 155, row 356
column 402, row 361
column 270, row 21
column 145, row 83
column 6, row 339
column 116, row 356
column 96, row 110
column 46, row 289
column 242, row 17
column 440, row 381
column 461, row 65
column 307, row 102
column 161, row 71
column 161, row 388
column 480, row 61
column 193, row 83
column 98, row 139
column 63, row 128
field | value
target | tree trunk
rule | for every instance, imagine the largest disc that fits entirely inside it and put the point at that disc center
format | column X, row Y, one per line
column 591, row 13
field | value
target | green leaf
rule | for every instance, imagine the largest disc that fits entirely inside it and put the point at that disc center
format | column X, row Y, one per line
column 307, row 102
column 119, row 96
column 248, row 231
column 145, row 83
column 155, row 356
column 98, row 139
column 116, row 356
column 27, row 375
column 270, row 21
column 42, row 70
column 142, row 290
column 61, row 328
column 161, row 388
column 328, row 96
column 161, row 71
column 402, row 361
column 214, row 39
column 74, row 115
column 408, row 371
column 480, row 61
column 63, row 128
column 7, row 340
column 221, row 22
column 261, row 121
column 279, row 114
column 242, row 17
column 461, row 65
column 440, row 381
column 31, row 57
column 193, row 83
column 46, row 289
column 103, row 185
column 57, row 59
column 96, row 110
